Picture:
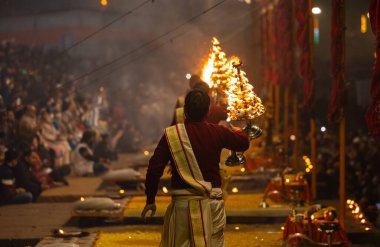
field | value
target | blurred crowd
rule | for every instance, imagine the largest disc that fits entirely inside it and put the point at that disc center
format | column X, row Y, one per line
column 49, row 128
column 362, row 170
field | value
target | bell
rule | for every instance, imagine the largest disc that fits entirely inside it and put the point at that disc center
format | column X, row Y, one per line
column 253, row 131
column 235, row 160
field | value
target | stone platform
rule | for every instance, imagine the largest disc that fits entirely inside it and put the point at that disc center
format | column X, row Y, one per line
column 23, row 225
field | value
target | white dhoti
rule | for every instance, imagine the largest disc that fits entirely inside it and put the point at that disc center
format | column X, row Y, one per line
column 180, row 218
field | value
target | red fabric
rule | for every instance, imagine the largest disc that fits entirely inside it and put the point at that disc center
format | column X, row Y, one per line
column 285, row 20
column 36, row 163
column 321, row 237
column 217, row 113
column 292, row 227
column 273, row 27
column 339, row 88
column 305, row 195
column 265, row 61
column 304, row 41
column 373, row 112
column 374, row 15
column 207, row 141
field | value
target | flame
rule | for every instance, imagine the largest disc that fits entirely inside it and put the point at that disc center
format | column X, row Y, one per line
column 308, row 164
column 235, row 190
column 217, row 70
column 235, row 61
column 243, row 103
column 215, row 41
column 207, row 71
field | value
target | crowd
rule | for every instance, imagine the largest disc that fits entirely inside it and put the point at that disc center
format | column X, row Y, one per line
column 362, row 171
column 47, row 128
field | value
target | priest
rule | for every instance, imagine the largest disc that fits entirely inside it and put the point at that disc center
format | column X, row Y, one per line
column 196, row 215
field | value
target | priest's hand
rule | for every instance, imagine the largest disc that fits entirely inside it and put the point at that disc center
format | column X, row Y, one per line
column 149, row 207
column 234, row 128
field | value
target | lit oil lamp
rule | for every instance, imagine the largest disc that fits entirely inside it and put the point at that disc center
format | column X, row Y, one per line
column 243, row 104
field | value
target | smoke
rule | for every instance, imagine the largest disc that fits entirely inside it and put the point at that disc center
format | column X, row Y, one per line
column 154, row 47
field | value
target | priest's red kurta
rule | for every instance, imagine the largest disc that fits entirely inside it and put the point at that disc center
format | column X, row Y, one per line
column 207, row 141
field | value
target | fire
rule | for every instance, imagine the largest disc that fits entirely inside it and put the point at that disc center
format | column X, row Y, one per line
column 243, row 104
column 217, row 70
column 207, row 71
column 228, row 80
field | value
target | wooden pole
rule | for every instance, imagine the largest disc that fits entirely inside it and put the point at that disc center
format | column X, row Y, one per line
column 342, row 128
column 295, row 123
column 286, row 120
column 342, row 170
column 313, row 159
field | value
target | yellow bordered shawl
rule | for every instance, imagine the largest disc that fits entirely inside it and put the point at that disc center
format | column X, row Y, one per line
column 180, row 115
column 181, row 101
column 187, row 167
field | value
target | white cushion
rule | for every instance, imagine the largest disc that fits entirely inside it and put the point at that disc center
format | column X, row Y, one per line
column 95, row 203
column 126, row 174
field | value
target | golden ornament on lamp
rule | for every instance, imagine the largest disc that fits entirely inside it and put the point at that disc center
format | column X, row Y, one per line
column 243, row 104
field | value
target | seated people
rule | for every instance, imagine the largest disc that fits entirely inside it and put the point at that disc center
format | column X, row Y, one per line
column 27, row 126
column 42, row 174
column 9, row 192
column 84, row 163
column 103, row 150
column 54, row 140
column 25, row 178
column 46, row 157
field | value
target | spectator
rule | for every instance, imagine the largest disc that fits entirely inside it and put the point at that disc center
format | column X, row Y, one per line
column 28, row 124
column 9, row 193
column 55, row 140
column 84, row 163
column 42, row 174
column 25, row 177
column 103, row 150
